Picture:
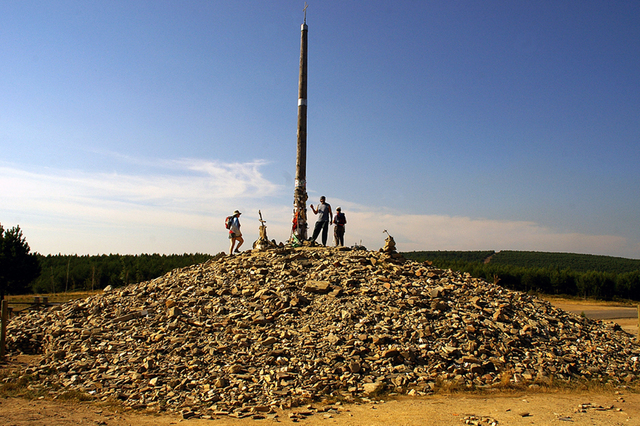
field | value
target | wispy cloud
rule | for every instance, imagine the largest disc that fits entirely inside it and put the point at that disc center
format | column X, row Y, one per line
column 183, row 179
column 231, row 180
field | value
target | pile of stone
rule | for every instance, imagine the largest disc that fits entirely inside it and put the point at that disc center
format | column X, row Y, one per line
column 479, row 420
column 244, row 334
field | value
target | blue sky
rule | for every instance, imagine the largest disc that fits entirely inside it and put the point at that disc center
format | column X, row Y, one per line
column 137, row 126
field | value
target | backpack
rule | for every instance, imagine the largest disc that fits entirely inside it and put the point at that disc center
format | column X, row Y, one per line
column 227, row 222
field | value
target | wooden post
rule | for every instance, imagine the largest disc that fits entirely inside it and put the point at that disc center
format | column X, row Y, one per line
column 300, row 191
column 3, row 330
column 638, row 321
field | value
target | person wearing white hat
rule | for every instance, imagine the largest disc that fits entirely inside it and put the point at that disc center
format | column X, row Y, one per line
column 234, row 233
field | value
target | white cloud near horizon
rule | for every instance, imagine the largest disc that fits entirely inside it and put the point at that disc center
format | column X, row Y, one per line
column 440, row 232
column 181, row 209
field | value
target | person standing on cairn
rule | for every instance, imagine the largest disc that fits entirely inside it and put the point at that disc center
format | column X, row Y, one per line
column 338, row 232
column 325, row 218
column 234, row 233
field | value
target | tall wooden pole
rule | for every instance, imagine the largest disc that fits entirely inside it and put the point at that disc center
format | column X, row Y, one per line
column 300, row 192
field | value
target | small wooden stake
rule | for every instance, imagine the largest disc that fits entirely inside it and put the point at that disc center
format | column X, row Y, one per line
column 3, row 330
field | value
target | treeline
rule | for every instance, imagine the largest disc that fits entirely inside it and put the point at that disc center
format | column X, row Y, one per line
column 61, row 273
column 600, row 277
column 573, row 261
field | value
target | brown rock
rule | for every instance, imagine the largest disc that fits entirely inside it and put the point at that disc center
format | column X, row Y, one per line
column 320, row 287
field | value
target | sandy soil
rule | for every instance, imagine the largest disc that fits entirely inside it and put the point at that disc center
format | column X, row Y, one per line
column 606, row 408
column 625, row 315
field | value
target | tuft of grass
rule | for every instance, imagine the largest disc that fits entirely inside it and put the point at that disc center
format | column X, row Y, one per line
column 74, row 395
column 23, row 386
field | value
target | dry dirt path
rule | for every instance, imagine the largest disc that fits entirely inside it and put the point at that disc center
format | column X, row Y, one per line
column 513, row 409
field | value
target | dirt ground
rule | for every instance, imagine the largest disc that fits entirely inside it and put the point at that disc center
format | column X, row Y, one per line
column 606, row 408
column 625, row 315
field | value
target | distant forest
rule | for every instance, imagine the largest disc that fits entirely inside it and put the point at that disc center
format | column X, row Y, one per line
column 583, row 275
column 61, row 273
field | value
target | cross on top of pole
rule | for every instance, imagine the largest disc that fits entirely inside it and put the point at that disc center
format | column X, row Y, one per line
column 305, row 11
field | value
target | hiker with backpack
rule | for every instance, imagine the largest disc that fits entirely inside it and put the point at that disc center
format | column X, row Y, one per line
column 339, row 221
column 232, row 223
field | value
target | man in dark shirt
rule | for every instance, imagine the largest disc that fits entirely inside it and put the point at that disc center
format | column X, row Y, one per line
column 338, row 232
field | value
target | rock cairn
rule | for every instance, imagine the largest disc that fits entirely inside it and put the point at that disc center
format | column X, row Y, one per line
column 286, row 326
